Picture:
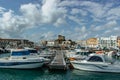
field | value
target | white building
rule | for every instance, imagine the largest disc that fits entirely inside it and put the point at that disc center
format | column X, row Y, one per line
column 50, row 43
column 66, row 43
column 108, row 42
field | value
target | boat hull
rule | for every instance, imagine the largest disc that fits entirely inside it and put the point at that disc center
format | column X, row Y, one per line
column 25, row 66
column 96, row 67
column 21, row 64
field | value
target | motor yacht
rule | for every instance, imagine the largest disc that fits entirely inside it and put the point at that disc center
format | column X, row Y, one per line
column 21, row 59
column 97, row 63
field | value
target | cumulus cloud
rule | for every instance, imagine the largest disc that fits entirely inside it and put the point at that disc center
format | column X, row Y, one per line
column 105, row 18
column 48, row 10
column 51, row 12
column 31, row 13
column 14, row 25
column 9, row 25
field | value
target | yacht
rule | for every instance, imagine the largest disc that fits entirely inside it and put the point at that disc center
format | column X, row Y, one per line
column 21, row 59
column 97, row 63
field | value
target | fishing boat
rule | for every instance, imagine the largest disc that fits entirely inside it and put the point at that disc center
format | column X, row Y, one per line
column 21, row 59
column 97, row 63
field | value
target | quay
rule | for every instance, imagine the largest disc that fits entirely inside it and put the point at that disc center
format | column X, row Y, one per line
column 58, row 62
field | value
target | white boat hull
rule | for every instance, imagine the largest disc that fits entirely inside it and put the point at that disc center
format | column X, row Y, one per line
column 96, row 67
column 25, row 66
column 21, row 59
column 21, row 64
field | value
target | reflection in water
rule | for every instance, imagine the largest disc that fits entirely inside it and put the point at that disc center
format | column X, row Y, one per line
column 45, row 74
column 84, row 75
column 14, row 74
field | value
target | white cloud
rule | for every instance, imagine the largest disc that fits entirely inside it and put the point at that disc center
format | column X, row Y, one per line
column 8, row 24
column 51, row 12
column 79, row 11
column 48, row 10
column 104, row 17
column 108, row 25
column 72, row 3
column 37, row 36
column 80, row 29
column 116, row 28
column 48, row 35
column 111, row 24
column 114, row 11
column 95, row 10
column 31, row 12
column 76, row 20
column 97, row 28
column 107, row 31
column 2, row 10
column 77, row 29
column 79, row 33
column 83, row 29
column 59, row 22
column 32, row 15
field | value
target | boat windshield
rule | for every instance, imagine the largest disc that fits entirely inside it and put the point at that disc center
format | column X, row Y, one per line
column 83, row 53
column 32, row 51
column 20, row 53
column 95, row 59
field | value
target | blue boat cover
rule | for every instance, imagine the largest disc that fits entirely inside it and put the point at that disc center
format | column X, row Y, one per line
column 20, row 53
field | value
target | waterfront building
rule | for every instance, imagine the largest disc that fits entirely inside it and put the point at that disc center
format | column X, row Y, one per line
column 92, row 42
column 43, row 42
column 51, row 43
column 60, row 39
column 67, row 43
column 82, row 43
column 15, row 43
column 108, row 42
column 118, row 41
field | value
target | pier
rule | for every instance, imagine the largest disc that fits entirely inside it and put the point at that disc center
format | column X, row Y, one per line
column 58, row 61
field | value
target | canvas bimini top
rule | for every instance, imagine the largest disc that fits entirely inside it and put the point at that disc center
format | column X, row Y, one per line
column 19, row 52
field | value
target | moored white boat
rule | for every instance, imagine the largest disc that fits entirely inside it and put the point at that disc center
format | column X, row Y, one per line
column 35, row 53
column 97, row 63
column 21, row 59
column 77, row 55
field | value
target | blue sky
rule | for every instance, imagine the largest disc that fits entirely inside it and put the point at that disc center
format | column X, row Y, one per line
column 45, row 19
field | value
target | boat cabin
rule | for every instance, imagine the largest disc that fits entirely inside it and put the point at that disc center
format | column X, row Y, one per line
column 99, row 58
column 32, row 51
column 19, row 53
column 95, row 59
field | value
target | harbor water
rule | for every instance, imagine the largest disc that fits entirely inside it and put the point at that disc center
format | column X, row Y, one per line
column 45, row 74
